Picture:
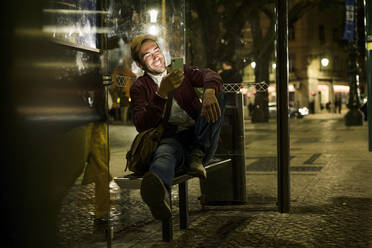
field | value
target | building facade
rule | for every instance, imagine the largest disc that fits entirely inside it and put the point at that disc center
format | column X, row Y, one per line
column 318, row 62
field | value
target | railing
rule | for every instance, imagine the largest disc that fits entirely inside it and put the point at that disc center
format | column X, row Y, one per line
column 235, row 87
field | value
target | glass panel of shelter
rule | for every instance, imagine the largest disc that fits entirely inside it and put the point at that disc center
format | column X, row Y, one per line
column 128, row 19
column 260, row 114
column 80, row 179
column 252, row 146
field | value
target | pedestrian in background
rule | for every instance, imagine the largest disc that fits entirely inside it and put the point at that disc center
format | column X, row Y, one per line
column 123, row 78
column 364, row 109
column 229, row 74
column 338, row 104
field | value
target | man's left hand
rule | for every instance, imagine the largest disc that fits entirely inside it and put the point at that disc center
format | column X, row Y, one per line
column 210, row 108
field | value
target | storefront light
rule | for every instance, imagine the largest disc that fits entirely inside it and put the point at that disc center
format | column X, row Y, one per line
column 341, row 88
column 274, row 66
column 323, row 87
column 271, row 89
column 244, row 90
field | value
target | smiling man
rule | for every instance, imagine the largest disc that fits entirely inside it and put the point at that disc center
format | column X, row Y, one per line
column 191, row 137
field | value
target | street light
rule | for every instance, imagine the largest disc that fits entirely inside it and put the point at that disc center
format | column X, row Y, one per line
column 324, row 62
column 153, row 30
column 153, row 15
column 253, row 64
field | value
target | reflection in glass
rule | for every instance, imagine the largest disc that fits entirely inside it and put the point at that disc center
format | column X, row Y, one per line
column 74, row 21
column 128, row 19
column 85, row 196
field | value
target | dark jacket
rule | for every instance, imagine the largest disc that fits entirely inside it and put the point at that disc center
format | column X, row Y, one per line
column 148, row 107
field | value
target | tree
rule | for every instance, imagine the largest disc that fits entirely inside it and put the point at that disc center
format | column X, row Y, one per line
column 221, row 24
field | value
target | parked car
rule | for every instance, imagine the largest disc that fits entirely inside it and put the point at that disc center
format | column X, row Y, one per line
column 292, row 111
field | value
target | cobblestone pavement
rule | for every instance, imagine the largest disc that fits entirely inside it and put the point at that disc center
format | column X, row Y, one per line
column 331, row 196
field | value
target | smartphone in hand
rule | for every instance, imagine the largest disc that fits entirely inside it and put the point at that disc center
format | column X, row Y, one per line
column 177, row 63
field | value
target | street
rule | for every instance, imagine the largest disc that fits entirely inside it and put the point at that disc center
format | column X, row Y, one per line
column 331, row 195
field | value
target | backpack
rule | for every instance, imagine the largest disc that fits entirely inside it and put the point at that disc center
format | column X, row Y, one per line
column 145, row 143
column 142, row 148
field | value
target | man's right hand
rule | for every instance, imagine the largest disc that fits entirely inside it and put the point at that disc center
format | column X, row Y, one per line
column 170, row 82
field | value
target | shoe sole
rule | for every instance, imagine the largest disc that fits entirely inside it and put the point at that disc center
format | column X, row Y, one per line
column 197, row 173
column 154, row 193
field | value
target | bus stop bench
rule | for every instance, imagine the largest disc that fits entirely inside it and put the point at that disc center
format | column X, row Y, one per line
column 132, row 181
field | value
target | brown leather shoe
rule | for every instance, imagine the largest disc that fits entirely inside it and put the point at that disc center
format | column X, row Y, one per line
column 156, row 196
column 196, row 164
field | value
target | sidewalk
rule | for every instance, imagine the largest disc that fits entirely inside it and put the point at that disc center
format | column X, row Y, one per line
column 331, row 196
column 328, row 116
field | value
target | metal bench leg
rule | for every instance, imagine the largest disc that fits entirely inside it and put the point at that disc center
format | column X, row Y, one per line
column 183, row 204
column 167, row 225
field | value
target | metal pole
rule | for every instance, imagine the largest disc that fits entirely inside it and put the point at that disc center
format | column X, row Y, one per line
column 164, row 18
column 368, row 14
column 354, row 116
column 106, row 80
column 282, row 103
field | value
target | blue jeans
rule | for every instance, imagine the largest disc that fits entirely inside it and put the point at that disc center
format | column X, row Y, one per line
column 171, row 157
